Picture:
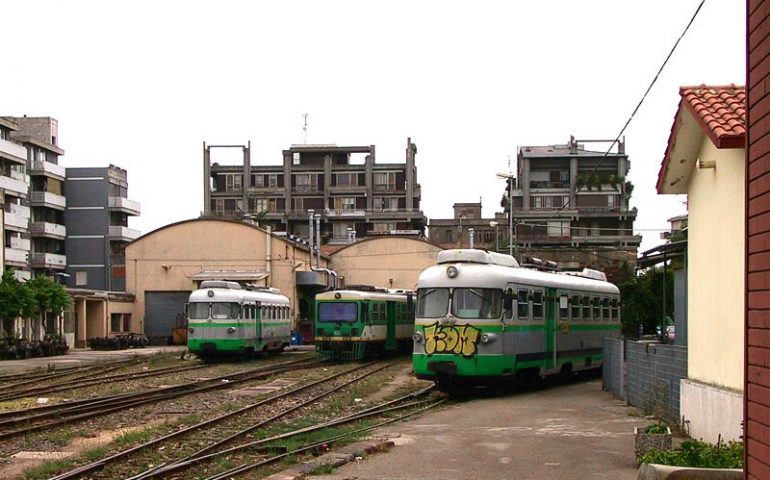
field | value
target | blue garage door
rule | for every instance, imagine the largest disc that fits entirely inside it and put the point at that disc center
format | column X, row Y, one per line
column 160, row 312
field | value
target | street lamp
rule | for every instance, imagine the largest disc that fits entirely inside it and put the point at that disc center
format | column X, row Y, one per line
column 497, row 243
column 511, row 233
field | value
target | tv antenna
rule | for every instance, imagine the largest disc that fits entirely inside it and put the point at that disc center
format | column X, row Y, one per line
column 304, row 128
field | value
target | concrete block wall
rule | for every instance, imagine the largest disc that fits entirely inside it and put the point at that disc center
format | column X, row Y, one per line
column 613, row 368
column 653, row 376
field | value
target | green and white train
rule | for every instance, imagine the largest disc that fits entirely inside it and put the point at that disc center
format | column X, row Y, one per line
column 482, row 319
column 224, row 318
column 354, row 324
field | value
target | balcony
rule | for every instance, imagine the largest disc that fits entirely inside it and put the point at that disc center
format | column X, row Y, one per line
column 13, row 151
column 47, row 229
column 124, row 205
column 124, row 234
column 17, row 217
column 22, row 275
column 16, row 183
column 343, row 213
column 16, row 257
column 537, row 185
column 48, row 260
column 20, row 243
column 41, row 167
column 47, row 199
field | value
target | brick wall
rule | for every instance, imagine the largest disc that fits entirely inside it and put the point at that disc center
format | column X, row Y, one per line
column 757, row 378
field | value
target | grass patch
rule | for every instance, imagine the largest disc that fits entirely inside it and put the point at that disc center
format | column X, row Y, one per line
column 94, row 454
column 47, row 470
column 60, row 437
column 137, row 436
column 323, row 469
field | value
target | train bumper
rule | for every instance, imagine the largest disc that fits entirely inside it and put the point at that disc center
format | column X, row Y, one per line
column 432, row 367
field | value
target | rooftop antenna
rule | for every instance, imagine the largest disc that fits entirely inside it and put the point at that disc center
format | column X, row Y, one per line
column 304, row 127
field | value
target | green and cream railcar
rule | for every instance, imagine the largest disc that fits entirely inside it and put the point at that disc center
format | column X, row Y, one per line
column 224, row 318
column 482, row 319
column 354, row 324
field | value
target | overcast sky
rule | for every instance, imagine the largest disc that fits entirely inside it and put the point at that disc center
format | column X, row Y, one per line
column 142, row 84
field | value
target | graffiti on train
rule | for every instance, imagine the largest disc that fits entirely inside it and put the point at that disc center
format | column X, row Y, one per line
column 457, row 339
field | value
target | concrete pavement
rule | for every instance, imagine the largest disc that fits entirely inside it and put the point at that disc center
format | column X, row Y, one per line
column 573, row 431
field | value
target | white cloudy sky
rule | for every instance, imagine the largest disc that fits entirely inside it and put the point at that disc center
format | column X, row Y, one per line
column 142, row 84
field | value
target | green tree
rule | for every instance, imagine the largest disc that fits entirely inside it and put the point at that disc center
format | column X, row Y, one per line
column 15, row 301
column 48, row 297
column 643, row 301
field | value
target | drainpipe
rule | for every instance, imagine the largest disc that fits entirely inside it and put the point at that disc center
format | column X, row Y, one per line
column 310, row 234
column 470, row 234
column 268, row 256
column 318, row 239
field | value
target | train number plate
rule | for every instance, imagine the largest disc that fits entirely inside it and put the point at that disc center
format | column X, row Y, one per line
column 447, row 368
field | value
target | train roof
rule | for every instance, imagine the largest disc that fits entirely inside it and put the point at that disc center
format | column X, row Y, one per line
column 238, row 295
column 393, row 295
column 482, row 271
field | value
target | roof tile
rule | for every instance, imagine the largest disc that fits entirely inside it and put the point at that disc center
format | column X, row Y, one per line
column 721, row 111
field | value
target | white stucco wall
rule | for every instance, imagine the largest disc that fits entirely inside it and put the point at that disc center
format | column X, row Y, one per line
column 711, row 412
column 716, row 278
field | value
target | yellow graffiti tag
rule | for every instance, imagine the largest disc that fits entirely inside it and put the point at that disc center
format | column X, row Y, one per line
column 457, row 339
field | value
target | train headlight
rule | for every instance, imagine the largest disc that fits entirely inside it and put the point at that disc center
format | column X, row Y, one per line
column 488, row 337
column 417, row 337
column 191, row 330
column 210, row 293
column 452, row 271
column 230, row 329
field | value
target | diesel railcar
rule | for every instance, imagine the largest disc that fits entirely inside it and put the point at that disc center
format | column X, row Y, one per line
column 227, row 319
column 482, row 319
column 356, row 323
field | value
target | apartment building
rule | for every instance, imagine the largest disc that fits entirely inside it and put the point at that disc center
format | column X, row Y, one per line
column 488, row 233
column 98, row 210
column 32, row 181
column 355, row 196
column 571, row 205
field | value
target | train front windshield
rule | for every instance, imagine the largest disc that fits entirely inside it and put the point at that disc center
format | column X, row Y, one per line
column 466, row 302
column 198, row 310
column 216, row 310
column 337, row 312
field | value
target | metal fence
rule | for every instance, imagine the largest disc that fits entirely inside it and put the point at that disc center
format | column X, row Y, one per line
column 646, row 374
column 613, row 369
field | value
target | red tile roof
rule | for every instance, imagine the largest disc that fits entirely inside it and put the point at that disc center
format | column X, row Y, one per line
column 721, row 112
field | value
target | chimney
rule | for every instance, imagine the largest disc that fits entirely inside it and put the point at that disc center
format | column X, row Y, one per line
column 573, row 147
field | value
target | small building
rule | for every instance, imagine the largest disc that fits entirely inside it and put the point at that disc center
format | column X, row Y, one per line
column 165, row 265
column 488, row 233
column 705, row 159
column 390, row 262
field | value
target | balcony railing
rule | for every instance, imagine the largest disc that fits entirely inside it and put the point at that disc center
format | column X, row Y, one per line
column 48, row 260
column 47, row 199
column 606, row 209
column 16, row 256
column 117, row 232
column 18, row 221
column 342, row 212
column 19, row 152
column 124, row 205
column 47, row 229
column 20, row 243
column 22, row 275
column 48, row 168
column 15, row 183
column 558, row 185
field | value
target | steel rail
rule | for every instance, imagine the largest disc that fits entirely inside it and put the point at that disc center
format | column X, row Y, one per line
column 376, row 410
column 137, row 399
column 250, row 466
column 99, row 464
column 99, row 370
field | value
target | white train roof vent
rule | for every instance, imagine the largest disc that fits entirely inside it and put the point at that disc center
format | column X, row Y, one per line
column 467, row 255
column 590, row 273
column 259, row 288
column 221, row 284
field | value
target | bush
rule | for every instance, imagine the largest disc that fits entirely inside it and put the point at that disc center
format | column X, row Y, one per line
column 699, row 455
column 655, row 429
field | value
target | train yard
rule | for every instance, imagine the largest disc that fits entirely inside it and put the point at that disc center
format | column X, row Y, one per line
column 172, row 418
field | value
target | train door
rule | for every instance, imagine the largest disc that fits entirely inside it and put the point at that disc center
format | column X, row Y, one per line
column 551, row 328
column 390, row 321
column 509, row 308
column 259, row 314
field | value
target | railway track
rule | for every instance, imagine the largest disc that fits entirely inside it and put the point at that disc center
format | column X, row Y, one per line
column 218, row 432
column 23, row 422
column 92, row 380
column 29, row 379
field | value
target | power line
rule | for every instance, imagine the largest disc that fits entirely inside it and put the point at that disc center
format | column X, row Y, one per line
column 638, row 105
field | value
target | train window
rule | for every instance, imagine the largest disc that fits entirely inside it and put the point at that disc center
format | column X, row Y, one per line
column 337, row 312
column 606, row 309
column 222, row 310
column 522, row 305
column 575, row 307
column 586, row 303
column 597, row 308
column 564, row 307
column 432, row 302
column 198, row 310
column 477, row 302
column 508, row 304
column 537, row 306
column 614, row 309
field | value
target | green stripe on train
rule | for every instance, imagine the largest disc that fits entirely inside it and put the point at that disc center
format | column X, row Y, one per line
column 220, row 325
column 222, row 345
column 489, row 365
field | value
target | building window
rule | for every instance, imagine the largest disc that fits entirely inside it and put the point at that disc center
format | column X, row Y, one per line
column 299, row 204
column 41, row 155
column 347, row 179
column 272, row 181
column 558, row 229
column 449, row 235
column 341, row 229
column 257, row 181
column 385, row 204
column 295, row 158
column 384, row 226
column 81, row 278
column 537, row 202
column 345, row 203
column 611, row 201
column 263, row 205
column 233, row 182
column 219, row 206
column 385, row 180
